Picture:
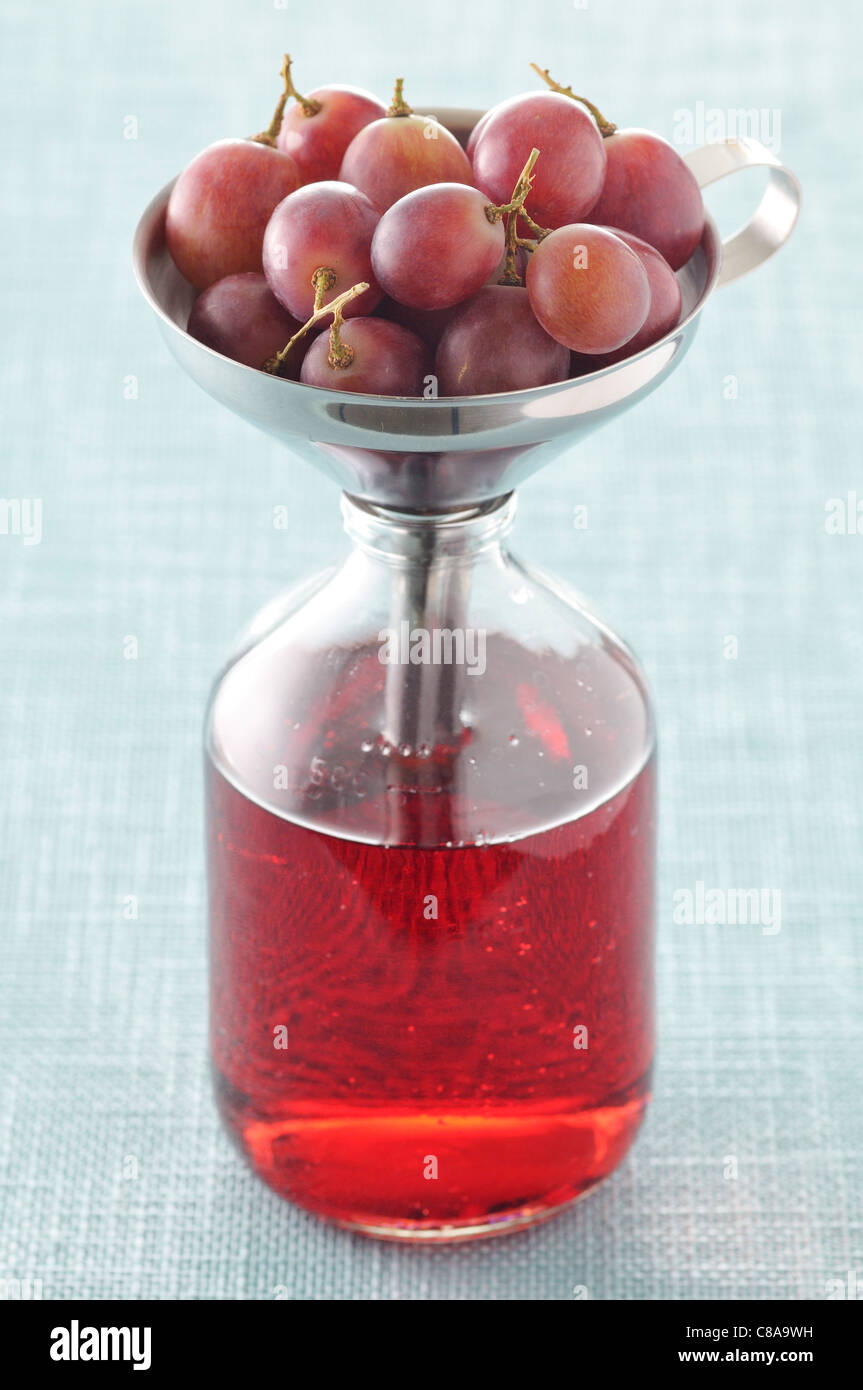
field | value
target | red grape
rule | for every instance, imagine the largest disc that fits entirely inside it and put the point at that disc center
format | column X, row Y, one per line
column 436, row 246
column 387, row 360
column 393, row 156
column 665, row 302
column 241, row 318
column 476, row 133
column 317, row 130
column 327, row 225
column 341, row 202
column 588, row 289
column 427, row 324
column 494, row 343
column 568, row 177
column 650, row 191
column 220, row 206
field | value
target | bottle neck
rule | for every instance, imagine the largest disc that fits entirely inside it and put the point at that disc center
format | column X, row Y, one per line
column 427, row 564
column 428, row 540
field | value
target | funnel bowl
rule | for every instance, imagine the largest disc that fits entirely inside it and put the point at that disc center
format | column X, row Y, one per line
column 436, row 455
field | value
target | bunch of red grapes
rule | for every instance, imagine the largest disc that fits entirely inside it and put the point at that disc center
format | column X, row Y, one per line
column 361, row 248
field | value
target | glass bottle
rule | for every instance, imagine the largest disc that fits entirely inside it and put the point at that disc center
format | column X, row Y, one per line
column 431, row 847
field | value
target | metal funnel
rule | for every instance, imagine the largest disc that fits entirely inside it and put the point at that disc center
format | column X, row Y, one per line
column 436, row 455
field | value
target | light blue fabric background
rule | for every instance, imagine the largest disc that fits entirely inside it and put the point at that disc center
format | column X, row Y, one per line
column 706, row 520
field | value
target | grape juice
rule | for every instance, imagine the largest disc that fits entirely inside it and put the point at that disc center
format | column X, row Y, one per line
column 420, row 1029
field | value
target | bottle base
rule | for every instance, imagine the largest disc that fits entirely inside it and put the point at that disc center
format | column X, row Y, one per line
column 457, row 1233
column 435, row 1177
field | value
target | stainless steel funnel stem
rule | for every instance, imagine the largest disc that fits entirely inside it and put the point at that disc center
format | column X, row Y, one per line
column 432, row 559
column 422, row 701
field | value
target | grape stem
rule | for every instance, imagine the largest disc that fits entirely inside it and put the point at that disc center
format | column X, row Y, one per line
column 399, row 106
column 523, row 186
column 513, row 210
column 340, row 354
column 270, row 135
column 539, row 232
column 323, row 279
column 339, row 350
column 311, row 106
column 605, row 127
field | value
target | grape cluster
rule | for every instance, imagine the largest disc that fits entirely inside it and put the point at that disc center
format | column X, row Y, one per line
column 360, row 248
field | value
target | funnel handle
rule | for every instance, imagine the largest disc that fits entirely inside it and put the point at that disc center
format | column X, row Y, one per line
column 773, row 220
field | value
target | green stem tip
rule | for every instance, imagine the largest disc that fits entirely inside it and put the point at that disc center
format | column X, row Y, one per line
column 399, row 106
column 310, row 106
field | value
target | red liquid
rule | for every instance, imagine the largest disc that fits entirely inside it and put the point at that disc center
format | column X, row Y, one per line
column 431, row 1083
